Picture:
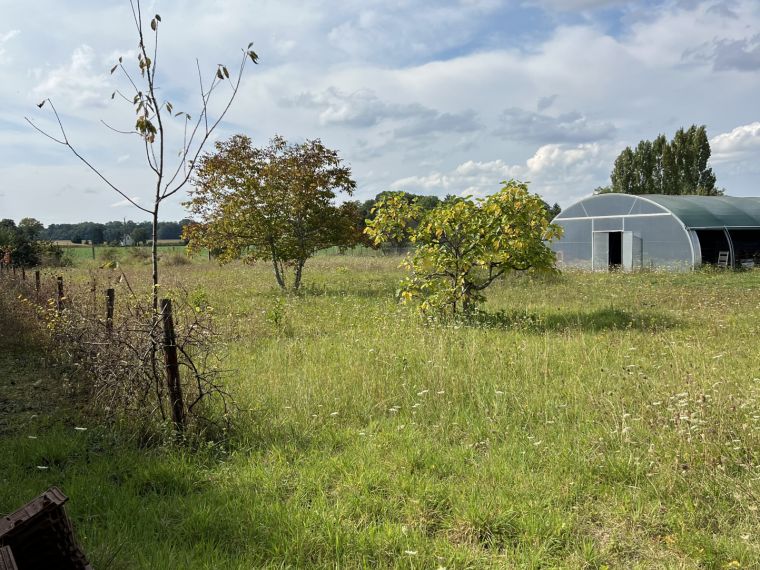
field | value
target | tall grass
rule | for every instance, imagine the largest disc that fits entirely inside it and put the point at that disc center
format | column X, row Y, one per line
column 583, row 421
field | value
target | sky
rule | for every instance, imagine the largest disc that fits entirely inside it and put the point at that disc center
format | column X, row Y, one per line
column 428, row 96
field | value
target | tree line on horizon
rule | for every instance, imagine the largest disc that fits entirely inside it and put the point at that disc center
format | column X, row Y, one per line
column 113, row 232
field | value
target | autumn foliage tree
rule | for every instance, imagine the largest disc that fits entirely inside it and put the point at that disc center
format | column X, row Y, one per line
column 464, row 245
column 275, row 203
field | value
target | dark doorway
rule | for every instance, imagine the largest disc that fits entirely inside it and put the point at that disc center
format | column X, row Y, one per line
column 746, row 247
column 616, row 249
column 712, row 242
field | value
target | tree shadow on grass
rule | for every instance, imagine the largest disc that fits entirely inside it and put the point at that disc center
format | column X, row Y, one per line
column 587, row 321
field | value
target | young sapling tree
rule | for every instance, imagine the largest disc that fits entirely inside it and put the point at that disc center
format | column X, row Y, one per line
column 152, row 115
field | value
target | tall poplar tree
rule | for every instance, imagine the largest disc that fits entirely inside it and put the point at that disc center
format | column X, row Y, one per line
column 679, row 166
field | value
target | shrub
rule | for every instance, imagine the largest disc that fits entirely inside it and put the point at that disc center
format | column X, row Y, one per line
column 176, row 260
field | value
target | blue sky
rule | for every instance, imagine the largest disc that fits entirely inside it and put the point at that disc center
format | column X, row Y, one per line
column 438, row 97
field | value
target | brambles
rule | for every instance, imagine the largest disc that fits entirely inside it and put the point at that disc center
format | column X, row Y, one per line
column 117, row 363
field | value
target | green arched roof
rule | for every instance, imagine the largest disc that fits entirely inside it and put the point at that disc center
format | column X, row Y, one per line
column 711, row 211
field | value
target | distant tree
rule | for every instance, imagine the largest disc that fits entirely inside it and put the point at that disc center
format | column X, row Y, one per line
column 274, row 203
column 23, row 244
column 464, row 245
column 31, row 228
column 98, row 234
column 169, row 230
column 551, row 211
column 139, row 236
column 680, row 166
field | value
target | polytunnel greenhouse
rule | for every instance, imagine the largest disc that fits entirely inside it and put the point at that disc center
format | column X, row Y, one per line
column 654, row 231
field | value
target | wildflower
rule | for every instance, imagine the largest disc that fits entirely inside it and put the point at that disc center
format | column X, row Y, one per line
column 333, row 414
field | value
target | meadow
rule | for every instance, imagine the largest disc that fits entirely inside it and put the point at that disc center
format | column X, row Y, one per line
column 582, row 421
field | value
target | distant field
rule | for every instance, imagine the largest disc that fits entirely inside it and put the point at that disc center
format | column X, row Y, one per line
column 78, row 252
column 590, row 421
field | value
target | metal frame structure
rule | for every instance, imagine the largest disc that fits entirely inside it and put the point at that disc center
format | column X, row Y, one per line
column 656, row 231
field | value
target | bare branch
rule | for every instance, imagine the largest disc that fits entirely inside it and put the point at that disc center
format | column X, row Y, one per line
column 114, row 129
column 151, row 161
column 39, row 130
column 167, row 193
column 66, row 143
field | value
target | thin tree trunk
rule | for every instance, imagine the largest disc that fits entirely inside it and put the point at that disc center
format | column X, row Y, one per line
column 277, row 273
column 154, row 260
column 299, row 272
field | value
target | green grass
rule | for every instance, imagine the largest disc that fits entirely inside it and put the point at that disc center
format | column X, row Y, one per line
column 81, row 254
column 586, row 421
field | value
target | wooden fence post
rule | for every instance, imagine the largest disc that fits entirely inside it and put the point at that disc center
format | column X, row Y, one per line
column 110, row 297
column 59, row 298
column 94, row 291
column 23, row 273
column 172, row 366
column 37, row 281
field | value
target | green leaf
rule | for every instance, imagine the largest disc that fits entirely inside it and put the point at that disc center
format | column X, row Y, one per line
column 254, row 56
column 249, row 45
column 114, row 68
column 169, row 106
column 41, row 103
column 113, row 94
column 158, row 17
column 219, row 73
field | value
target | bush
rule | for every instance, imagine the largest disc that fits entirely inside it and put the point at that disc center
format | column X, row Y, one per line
column 139, row 254
column 109, row 254
column 175, row 260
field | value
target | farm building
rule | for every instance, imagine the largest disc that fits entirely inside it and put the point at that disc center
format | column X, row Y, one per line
column 655, row 231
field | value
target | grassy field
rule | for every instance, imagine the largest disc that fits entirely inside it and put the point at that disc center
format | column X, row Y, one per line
column 589, row 421
column 79, row 254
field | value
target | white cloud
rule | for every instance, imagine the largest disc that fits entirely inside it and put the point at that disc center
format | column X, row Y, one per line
column 521, row 125
column 363, row 109
column 558, row 172
column 78, row 82
column 572, row 5
column 407, row 91
column 126, row 203
column 740, row 144
column 5, row 38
